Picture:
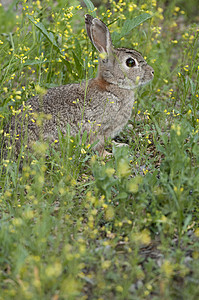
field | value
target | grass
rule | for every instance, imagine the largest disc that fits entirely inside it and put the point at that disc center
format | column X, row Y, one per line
column 74, row 225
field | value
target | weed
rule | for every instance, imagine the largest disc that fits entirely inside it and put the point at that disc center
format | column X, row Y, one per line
column 74, row 225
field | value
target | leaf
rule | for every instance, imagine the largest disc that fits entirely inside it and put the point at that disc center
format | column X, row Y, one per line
column 193, row 86
column 78, row 65
column 35, row 62
column 131, row 24
column 43, row 30
column 78, row 49
column 121, row 196
column 84, row 137
column 187, row 221
column 116, row 36
column 68, row 65
column 90, row 6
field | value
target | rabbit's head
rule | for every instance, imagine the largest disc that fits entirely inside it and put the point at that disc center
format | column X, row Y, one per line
column 120, row 66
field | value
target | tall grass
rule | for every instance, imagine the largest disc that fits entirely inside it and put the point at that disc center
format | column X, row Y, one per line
column 77, row 226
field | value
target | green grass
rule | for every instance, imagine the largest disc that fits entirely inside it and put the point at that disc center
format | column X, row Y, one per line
column 74, row 225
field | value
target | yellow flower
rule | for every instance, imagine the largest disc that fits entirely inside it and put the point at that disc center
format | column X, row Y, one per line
column 167, row 268
column 70, row 287
column 133, row 184
column 178, row 130
column 103, row 55
column 154, row 2
column 123, row 169
column 177, row 9
column 195, row 255
column 54, row 270
column 163, row 219
column 106, row 264
column 119, row 288
column 110, row 171
column 142, row 237
column 29, row 214
column 40, row 148
column 17, row 221
column 109, row 214
column 196, row 232
column 83, row 151
column 40, row 90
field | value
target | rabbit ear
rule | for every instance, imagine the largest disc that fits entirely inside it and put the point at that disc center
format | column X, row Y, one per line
column 98, row 33
column 88, row 23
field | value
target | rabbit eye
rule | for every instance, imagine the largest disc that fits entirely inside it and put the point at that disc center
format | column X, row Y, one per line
column 130, row 62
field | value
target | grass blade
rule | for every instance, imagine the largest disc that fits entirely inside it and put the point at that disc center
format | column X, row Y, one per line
column 90, row 6
column 43, row 30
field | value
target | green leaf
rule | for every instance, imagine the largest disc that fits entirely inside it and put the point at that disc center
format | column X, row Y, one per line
column 68, row 65
column 35, row 62
column 129, row 25
column 187, row 221
column 90, row 6
column 78, row 65
column 43, row 30
column 84, row 137
column 78, row 49
column 121, row 196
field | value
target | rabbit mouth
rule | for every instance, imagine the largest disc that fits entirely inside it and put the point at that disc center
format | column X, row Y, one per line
column 143, row 82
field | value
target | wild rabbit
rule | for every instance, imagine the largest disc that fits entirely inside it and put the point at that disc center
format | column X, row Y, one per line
column 101, row 106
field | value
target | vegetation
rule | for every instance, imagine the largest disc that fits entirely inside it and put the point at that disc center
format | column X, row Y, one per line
column 77, row 226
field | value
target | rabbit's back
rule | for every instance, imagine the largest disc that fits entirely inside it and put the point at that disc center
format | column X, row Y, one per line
column 41, row 116
column 63, row 105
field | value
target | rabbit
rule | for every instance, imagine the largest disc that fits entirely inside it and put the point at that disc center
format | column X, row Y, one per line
column 101, row 106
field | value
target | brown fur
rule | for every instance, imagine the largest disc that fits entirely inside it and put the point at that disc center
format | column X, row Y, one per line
column 100, row 84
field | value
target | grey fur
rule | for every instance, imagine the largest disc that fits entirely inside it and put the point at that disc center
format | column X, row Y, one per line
column 102, row 106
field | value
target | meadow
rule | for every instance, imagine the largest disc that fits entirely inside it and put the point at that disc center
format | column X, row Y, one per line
column 74, row 225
